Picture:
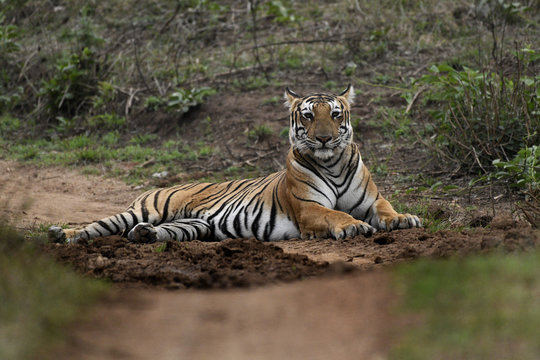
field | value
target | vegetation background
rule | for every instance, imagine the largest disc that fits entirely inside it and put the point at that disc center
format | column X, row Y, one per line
column 156, row 92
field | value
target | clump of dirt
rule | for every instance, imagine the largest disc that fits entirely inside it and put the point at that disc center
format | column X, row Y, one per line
column 231, row 263
column 386, row 248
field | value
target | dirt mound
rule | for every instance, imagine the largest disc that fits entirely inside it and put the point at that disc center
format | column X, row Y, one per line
column 246, row 262
column 397, row 246
column 231, row 263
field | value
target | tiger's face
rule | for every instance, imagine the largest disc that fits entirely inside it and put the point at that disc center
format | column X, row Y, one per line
column 320, row 124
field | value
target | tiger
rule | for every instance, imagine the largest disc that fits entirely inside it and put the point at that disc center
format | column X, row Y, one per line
column 325, row 191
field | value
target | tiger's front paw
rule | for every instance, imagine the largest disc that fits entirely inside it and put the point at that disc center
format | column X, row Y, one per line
column 399, row 221
column 355, row 228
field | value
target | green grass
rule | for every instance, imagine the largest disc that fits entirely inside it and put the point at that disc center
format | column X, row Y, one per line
column 87, row 151
column 430, row 221
column 38, row 297
column 482, row 307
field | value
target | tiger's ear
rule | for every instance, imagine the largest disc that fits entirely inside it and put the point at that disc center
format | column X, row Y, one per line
column 348, row 94
column 291, row 98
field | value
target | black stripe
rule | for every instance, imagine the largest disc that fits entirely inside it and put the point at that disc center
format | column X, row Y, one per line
column 127, row 227
column 171, row 233
column 115, row 223
column 307, row 200
column 165, row 214
column 358, row 203
column 124, row 220
column 144, row 211
column 307, row 165
column 135, row 218
column 313, row 187
column 255, row 225
column 237, row 226
column 156, row 196
column 272, row 220
column 105, row 226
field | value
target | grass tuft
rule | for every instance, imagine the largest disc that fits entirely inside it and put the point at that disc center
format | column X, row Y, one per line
column 482, row 307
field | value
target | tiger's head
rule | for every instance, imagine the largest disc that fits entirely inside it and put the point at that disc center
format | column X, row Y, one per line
column 320, row 124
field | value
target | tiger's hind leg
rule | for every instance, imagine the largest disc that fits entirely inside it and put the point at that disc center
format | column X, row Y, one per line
column 179, row 230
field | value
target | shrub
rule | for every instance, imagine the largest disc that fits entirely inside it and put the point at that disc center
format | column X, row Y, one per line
column 259, row 133
column 182, row 100
column 523, row 171
column 76, row 74
column 483, row 115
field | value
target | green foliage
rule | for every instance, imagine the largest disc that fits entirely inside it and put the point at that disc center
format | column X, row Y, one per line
column 482, row 307
column 64, row 125
column 260, row 132
column 523, row 171
column 106, row 121
column 153, row 103
column 8, row 125
column 431, row 221
column 76, row 73
column 482, row 116
column 284, row 133
column 39, row 296
column 280, row 12
column 106, row 96
column 73, row 81
column 9, row 35
column 272, row 100
column 182, row 100
column 142, row 139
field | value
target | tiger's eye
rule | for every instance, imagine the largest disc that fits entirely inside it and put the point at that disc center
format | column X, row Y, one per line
column 336, row 114
column 308, row 116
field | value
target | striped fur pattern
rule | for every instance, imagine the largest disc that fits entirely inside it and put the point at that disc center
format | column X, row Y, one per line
column 325, row 191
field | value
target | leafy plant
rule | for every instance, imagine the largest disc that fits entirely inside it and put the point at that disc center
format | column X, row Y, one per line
column 483, row 115
column 260, row 132
column 182, row 100
column 280, row 12
column 153, row 103
column 523, row 171
column 142, row 139
column 76, row 74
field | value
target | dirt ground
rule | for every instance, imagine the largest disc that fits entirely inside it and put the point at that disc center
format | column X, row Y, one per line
column 206, row 300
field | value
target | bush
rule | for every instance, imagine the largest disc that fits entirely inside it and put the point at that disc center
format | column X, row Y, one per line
column 76, row 74
column 523, row 171
column 481, row 116
column 182, row 100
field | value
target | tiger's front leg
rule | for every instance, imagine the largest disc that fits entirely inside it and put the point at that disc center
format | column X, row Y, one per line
column 386, row 218
column 316, row 221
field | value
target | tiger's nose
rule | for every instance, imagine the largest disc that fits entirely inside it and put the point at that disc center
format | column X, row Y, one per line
column 324, row 139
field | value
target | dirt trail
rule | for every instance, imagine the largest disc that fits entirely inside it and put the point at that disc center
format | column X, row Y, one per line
column 336, row 310
column 30, row 195
column 327, row 318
